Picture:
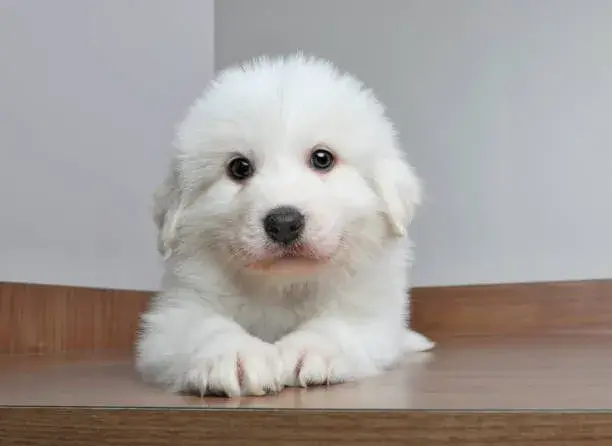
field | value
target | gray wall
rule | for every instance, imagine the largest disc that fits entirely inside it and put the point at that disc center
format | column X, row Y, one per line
column 90, row 92
column 505, row 108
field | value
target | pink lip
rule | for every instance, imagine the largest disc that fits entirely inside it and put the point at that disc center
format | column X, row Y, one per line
column 289, row 263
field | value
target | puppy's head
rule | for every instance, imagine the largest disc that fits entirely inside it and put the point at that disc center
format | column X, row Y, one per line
column 285, row 165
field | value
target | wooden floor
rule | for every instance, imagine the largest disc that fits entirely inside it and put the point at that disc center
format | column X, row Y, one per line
column 545, row 373
column 515, row 364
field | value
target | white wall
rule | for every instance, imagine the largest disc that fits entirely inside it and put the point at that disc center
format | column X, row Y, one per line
column 504, row 106
column 90, row 92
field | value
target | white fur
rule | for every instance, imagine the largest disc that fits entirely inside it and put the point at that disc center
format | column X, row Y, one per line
column 219, row 327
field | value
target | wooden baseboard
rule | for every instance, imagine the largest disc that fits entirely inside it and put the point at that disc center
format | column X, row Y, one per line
column 40, row 319
column 516, row 308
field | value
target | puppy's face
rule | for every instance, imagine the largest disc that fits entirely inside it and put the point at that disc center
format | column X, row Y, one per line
column 284, row 205
column 285, row 167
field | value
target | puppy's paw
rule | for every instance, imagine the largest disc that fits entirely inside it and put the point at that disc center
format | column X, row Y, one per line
column 252, row 369
column 306, row 365
column 416, row 342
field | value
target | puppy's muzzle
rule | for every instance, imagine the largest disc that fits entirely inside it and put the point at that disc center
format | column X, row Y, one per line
column 284, row 225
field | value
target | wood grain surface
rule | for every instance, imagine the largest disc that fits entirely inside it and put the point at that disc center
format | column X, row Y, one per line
column 39, row 319
column 83, row 427
column 516, row 308
column 52, row 319
column 538, row 353
column 471, row 373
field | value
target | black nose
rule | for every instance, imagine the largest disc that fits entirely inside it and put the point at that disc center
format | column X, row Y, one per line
column 284, row 224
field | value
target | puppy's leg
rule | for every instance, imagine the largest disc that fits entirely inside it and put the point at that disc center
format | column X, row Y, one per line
column 327, row 351
column 338, row 347
column 186, row 346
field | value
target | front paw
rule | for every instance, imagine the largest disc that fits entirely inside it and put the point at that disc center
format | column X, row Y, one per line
column 306, row 364
column 251, row 369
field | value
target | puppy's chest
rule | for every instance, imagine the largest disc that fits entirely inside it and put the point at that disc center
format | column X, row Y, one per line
column 270, row 320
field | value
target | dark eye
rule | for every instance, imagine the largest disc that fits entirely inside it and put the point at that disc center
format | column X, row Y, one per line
column 322, row 159
column 239, row 169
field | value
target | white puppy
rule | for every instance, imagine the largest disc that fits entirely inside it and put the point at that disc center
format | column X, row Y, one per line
column 283, row 224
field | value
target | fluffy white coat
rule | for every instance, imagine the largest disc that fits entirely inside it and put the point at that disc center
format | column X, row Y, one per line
column 220, row 327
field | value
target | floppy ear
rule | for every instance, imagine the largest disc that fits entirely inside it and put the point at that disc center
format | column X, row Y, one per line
column 167, row 210
column 400, row 191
